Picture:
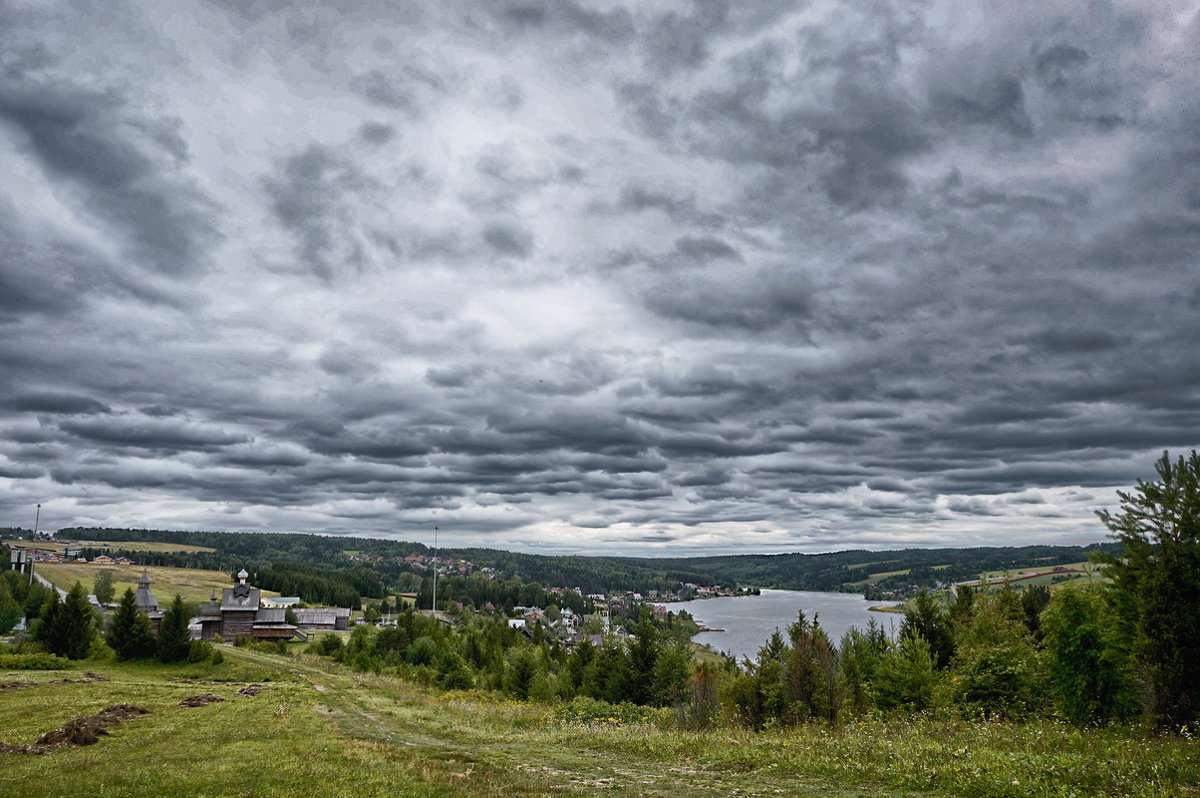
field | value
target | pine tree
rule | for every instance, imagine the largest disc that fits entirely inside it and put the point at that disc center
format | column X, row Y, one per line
column 129, row 632
column 174, row 636
column 1156, row 586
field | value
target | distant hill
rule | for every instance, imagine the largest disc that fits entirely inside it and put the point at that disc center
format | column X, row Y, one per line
column 878, row 574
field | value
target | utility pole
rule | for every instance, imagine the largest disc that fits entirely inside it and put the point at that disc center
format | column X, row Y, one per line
column 37, row 519
column 435, row 569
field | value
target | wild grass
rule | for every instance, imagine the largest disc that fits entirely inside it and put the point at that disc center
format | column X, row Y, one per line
column 320, row 729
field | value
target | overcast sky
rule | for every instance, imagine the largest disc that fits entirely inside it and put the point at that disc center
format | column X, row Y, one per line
column 648, row 277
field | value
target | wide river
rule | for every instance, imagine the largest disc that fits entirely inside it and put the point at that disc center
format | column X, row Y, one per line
column 749, row 620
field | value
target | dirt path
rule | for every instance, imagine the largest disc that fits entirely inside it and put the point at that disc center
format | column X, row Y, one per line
column 543, row 760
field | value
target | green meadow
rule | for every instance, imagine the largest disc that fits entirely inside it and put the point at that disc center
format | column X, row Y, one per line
column 320, row 729
column 192, row 584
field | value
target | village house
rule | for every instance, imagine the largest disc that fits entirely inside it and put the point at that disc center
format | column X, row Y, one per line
column 322, row 619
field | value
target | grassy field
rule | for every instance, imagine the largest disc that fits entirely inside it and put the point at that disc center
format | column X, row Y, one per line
column 1045, row 576
column 192, row 584
column 320, row 730
column 106, row 545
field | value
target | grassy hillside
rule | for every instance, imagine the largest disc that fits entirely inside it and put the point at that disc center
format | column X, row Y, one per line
column 110, row 545
column 191, row 583
column 321, row 730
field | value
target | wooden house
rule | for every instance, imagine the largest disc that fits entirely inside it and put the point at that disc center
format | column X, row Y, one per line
column 239, row 613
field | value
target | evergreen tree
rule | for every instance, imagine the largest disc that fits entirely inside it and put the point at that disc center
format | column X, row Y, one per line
column 36, row 599
column 643, row 657
column 1156, row 586
column 522, row 670
column 174, row 637
column 858, row 660
column 66, row 628
column 905, row 676
column 129, row 632
column 10, row 610
column 672, row 675
column 810, row 684
column 996, row 668
column 925, row 617
column 78, row 624
column 577, row 664
column 47, row 630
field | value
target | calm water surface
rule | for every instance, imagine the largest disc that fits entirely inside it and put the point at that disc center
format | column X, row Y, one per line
column 749, row 620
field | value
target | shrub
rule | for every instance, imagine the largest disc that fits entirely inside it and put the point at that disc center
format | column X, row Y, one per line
column 328, row 644
column 583, row 709
column 199, row 650
column 217, row 656
column 33, row 662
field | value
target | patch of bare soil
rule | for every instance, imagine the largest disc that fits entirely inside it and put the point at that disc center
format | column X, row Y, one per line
column 250, row 690
column 83, row 730
column 200, row 700
column 88, row 678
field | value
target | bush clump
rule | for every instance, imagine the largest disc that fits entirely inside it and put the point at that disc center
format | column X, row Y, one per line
column 583, row 709
column 200, row 650
column 33, row 662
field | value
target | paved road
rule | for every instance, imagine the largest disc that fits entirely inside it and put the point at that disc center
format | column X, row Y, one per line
column 46, row 582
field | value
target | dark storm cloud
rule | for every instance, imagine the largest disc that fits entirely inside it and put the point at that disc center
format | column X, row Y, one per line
column 769, row 299
column 149, row 433
column 565, row 16
column 125, row 169
column 58, row 403
column 508, row 239
column 308, row 198
column 777, row 277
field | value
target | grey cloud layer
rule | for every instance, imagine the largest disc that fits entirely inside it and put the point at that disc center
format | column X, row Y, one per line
column 598, row 276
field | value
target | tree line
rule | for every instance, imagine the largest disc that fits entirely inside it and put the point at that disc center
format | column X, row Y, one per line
column 70, row 627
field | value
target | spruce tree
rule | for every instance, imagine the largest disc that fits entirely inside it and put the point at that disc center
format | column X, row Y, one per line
column 129, row 632
column 174, row 637
column 78, row 623
column 66, row 627
column 48, row 629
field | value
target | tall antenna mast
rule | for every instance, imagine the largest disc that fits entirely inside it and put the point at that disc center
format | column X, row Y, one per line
column 435, row 568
